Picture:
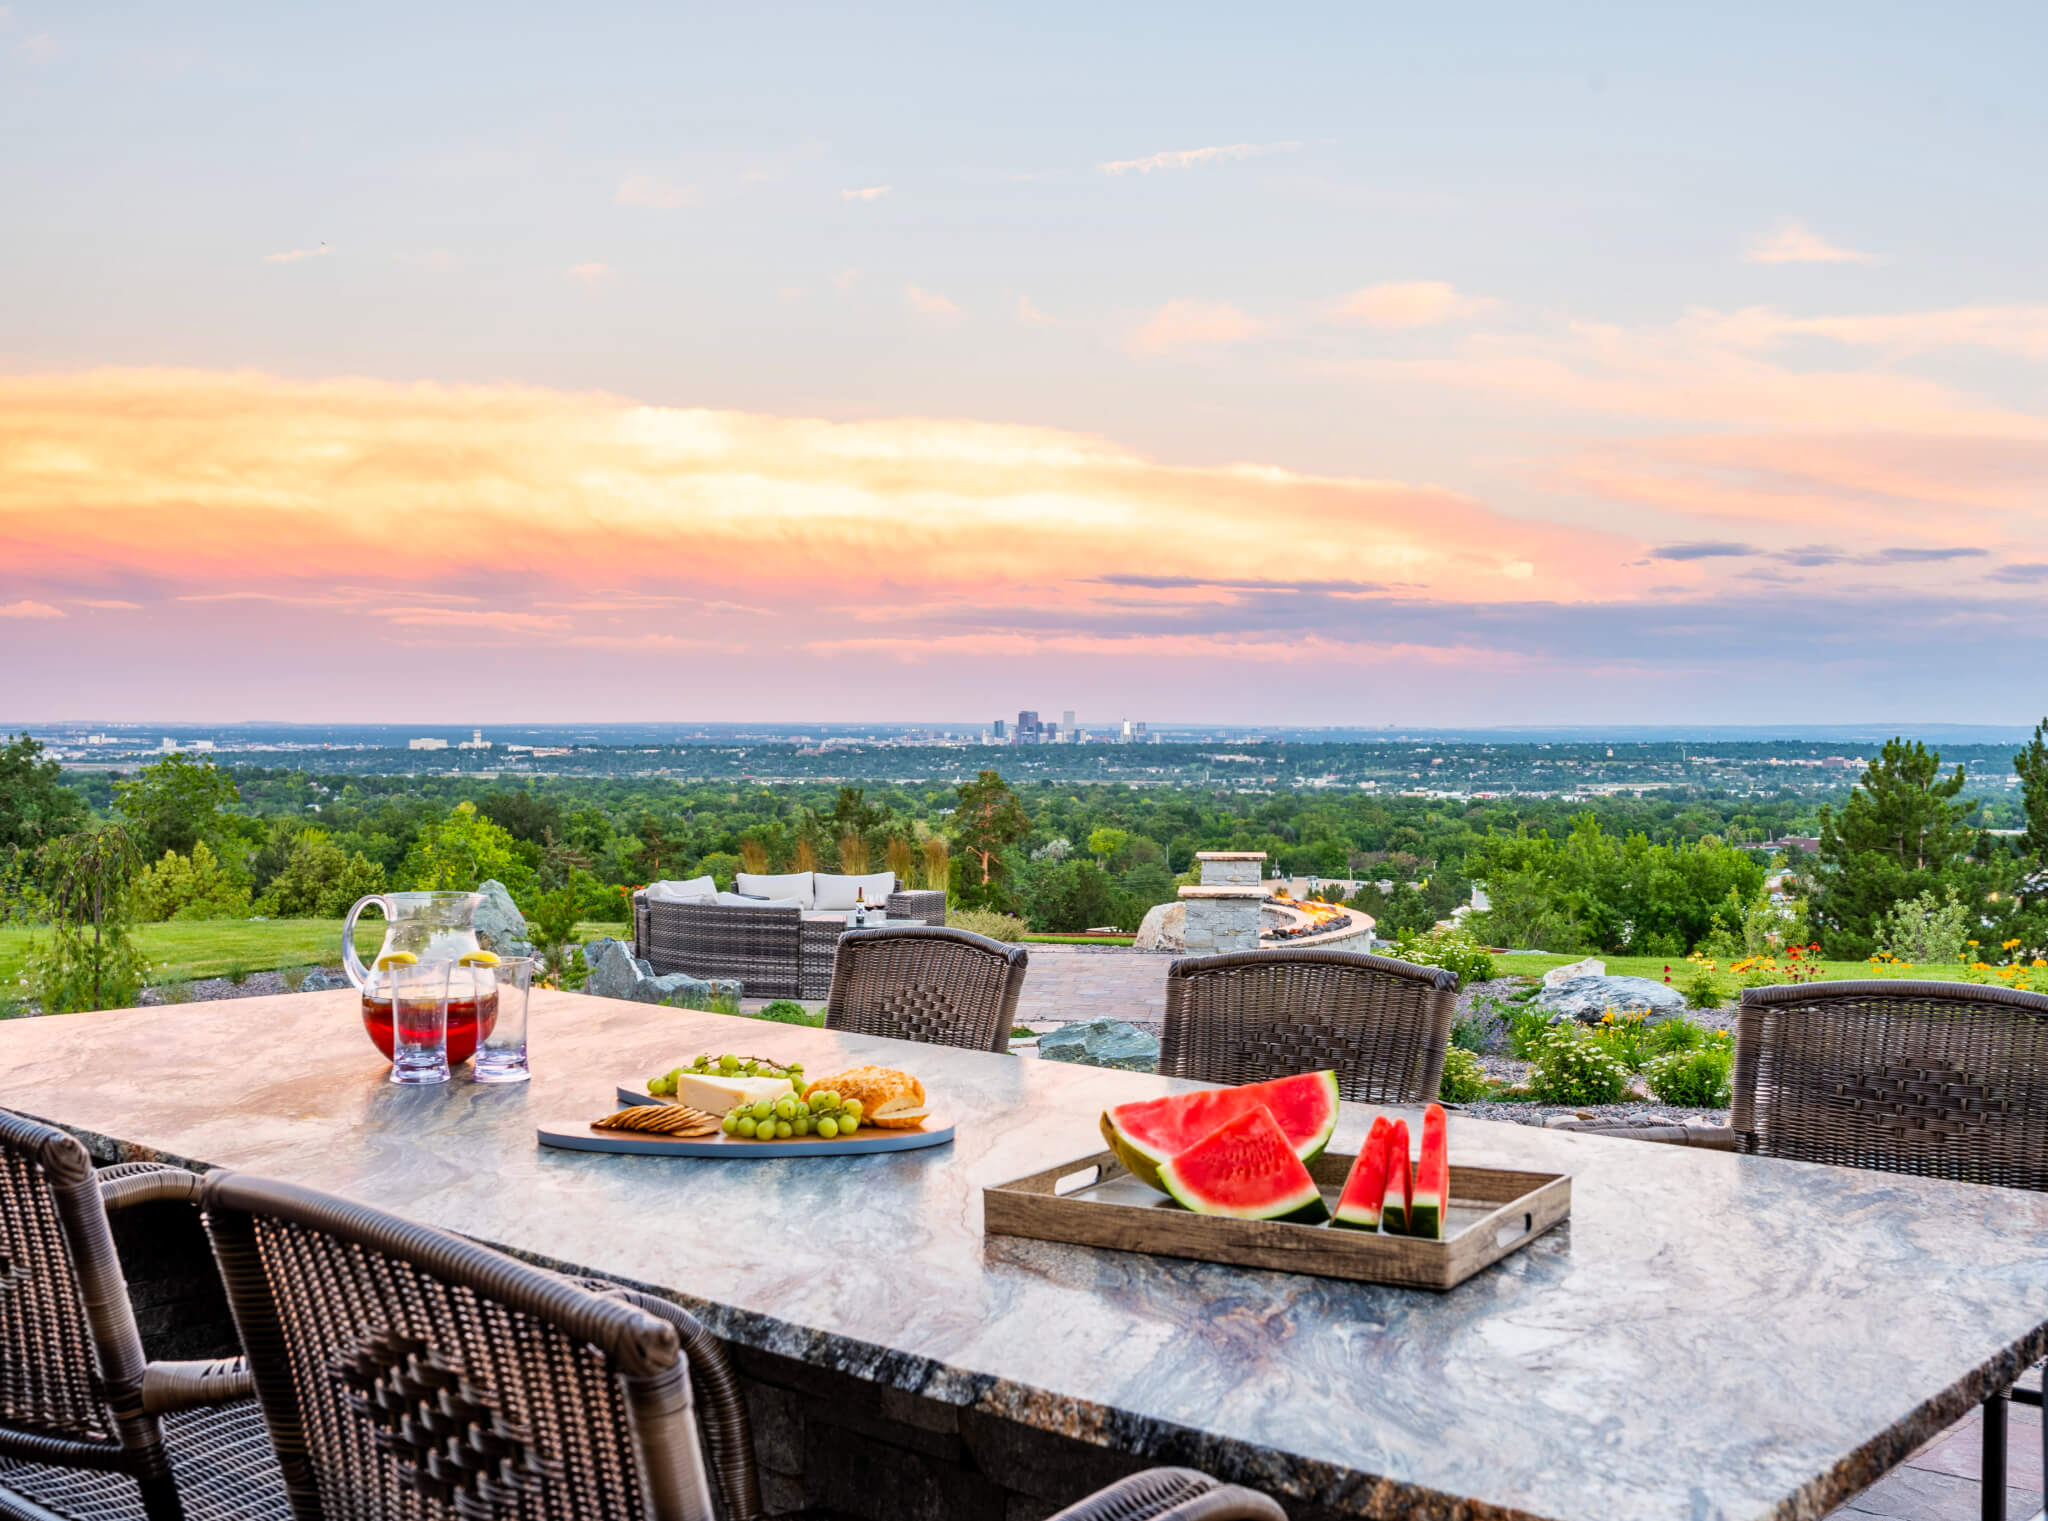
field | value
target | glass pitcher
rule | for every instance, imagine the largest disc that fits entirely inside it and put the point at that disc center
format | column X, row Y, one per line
column 429, row 927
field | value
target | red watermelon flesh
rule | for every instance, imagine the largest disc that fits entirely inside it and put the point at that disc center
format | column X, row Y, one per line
column 1358, row 1207
column 1432, row 1199
column 1245, row 1169
column 1400, row 1189
column 1149, row 1132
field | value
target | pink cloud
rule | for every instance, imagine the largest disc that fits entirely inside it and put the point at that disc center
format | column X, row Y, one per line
column 1796, row 243
column 1410, row 304
column 1185, row 324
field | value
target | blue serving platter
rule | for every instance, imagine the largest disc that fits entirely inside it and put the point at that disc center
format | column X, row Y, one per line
column 579, row 1136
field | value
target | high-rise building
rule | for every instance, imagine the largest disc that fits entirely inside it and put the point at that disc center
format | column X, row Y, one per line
column 1067, row 726
column 1126, row 735
column 1029, row 730
column 1002, row 730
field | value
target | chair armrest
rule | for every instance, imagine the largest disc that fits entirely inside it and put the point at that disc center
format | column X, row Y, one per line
column 1173, row 1494
column 721, row 1408
column 1712, row 1137
column 145, row 1182
column 168, row 1386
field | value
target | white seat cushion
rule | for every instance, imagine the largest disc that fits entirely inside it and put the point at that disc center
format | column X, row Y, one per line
column 696, row 890
column 741, row 900
column 793, row 884
column 836, row 892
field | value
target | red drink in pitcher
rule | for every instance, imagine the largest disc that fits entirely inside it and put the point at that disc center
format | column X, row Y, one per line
column 464, row 1015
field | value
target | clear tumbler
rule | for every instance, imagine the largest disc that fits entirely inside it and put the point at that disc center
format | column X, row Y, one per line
column 501, row 1054
column 419, row 1022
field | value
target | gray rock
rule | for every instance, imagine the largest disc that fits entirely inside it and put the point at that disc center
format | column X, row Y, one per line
column 1102, row 1043
column 1164, row 928
column 324, row 980
column 1587, row 998
column 1571, row 971
column 615, row 972
column 500, row 927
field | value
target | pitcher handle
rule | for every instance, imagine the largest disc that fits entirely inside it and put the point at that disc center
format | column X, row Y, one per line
column 351, row 963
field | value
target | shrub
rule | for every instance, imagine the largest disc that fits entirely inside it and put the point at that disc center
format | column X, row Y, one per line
column 1571, row 1067
column 176, row 991
column 987, row 921
column 197, row 886
column 1697, row 982
column 1465, row 1080
column 1625, row 1037
column 1698, row 1079
column 294, row 977
column 90, row 961
column 237, row 973
column 1483, row 1027
column 719, row 1003
column 787, row 1011
column 1679, row 1034
column 1454, row 950
column 1527, row 1030
column 1925, row 929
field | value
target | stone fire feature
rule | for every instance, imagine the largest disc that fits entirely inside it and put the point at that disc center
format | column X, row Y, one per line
column 1223, row 912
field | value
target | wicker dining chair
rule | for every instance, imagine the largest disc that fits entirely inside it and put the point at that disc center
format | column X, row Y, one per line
column 1249, row 1015
column 944, row 987
column 409, row 1374
column 1940, row 1079
column 90, row 1430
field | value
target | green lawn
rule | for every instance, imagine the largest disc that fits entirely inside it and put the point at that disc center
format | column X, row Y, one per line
column 1536, row 963
column 1079, row 939
column 209, row 948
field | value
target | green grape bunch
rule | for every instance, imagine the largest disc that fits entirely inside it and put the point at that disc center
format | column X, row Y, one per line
column 824, row 1114
column 727, row 1065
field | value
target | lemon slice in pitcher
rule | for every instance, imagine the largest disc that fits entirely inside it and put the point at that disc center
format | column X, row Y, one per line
column 395, row 958
column 477, row 958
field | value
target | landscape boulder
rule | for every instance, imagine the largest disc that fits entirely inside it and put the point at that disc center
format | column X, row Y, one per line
column 1102, row 1043
column 1587, row 998
column 615, row 972
column 500, row 927
column 1571, row 971
column 324, row 979
column 1164, row 928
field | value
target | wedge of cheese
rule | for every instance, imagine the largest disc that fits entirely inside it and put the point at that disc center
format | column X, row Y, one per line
column 715, row 1094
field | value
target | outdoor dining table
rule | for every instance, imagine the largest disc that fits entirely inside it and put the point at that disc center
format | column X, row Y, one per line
column 1708, row 1336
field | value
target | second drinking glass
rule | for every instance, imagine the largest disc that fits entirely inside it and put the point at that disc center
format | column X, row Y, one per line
column 419, row 1021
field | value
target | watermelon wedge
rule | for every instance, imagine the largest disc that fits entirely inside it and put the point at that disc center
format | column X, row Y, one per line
column 1432, row 1196
column 1245, row 1169
column 1358, row 1207
column 1146, row 1133
column 1400, row 1190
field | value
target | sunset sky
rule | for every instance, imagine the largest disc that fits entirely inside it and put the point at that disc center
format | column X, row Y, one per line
column 1349, row 364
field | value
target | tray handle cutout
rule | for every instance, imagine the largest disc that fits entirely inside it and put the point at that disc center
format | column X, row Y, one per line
column 1074, row 1182
column 1513, row 1232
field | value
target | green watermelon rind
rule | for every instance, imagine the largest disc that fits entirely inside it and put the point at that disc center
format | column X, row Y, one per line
column 1305, row 1206
column 1143, row 1162
column 1426, row 1210
column 1360, row 1217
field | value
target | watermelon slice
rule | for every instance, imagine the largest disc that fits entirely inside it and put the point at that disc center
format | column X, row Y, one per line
column 1400, row 1191
column 1245, row 1169
column 1148, row 1132
column 1432, row 1196
column 1358, row 1208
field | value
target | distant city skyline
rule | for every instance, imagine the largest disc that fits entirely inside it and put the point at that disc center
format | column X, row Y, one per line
column 1283, row 366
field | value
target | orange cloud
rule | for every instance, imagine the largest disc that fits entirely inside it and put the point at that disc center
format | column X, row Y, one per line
column 929, row 302
column 26, row 609
column 1410, row 303
column 1796, row 243
column 1188, row 158
column 1183, row 324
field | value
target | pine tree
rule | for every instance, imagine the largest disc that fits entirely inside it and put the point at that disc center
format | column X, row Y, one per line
column 1900, row 834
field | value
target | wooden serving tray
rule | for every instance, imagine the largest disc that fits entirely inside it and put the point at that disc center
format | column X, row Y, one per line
column 1096, row 1202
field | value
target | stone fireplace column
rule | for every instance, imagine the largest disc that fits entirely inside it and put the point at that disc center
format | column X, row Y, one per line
column 1223, row 912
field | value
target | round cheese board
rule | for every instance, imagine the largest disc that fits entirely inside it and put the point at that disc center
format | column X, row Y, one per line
column 580, row 1135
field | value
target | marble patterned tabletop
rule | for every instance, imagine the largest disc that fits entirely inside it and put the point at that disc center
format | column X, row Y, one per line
column 1709, row 1336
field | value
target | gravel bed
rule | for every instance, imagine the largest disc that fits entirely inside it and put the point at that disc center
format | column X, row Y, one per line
column 207, row 989
column 1543, row 1114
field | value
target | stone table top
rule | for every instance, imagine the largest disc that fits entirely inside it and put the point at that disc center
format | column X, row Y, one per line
column 1709, row 1336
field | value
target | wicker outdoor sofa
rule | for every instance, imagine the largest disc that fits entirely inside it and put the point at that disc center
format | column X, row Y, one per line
column 775, row 950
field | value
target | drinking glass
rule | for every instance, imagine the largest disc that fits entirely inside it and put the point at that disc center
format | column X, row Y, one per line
column 501, row 1054
column 419, row 1022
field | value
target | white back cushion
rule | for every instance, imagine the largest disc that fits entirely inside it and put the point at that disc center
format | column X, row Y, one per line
column 696, row 890
column 837, row 892
column 794, row 884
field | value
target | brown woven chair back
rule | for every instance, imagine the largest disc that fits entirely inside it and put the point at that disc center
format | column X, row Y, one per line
column 409, row 1375
column 1944, row 1079
column 71, row 1361
column 1250, row 1015
column 944, row 987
